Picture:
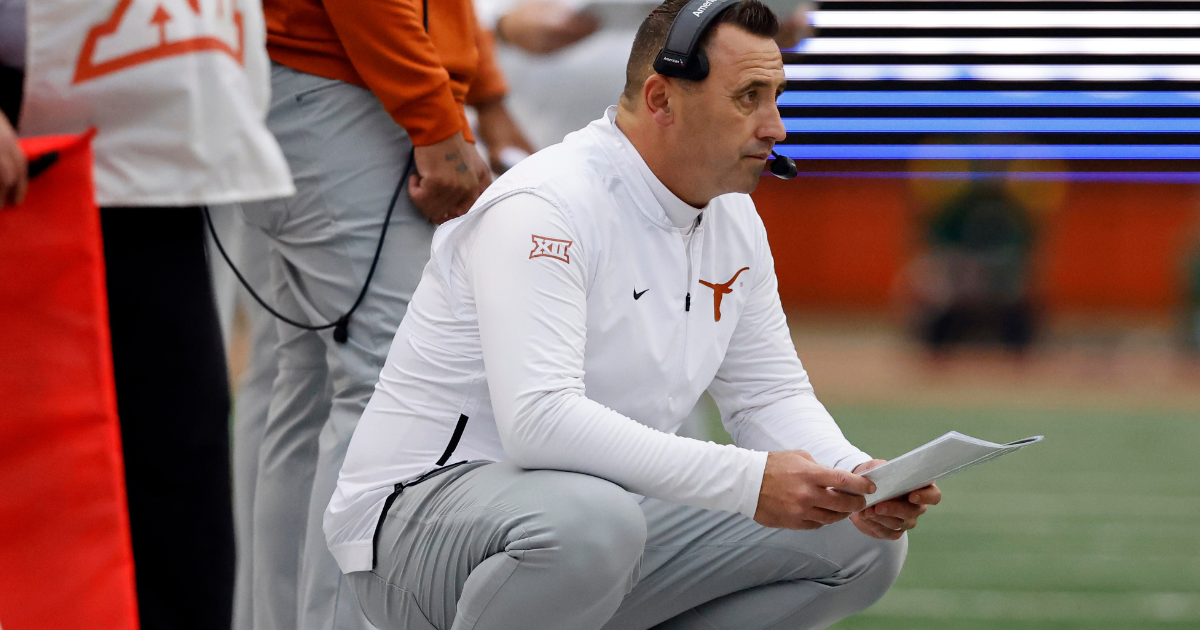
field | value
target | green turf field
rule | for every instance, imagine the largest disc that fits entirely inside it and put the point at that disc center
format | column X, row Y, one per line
column 1097, row 527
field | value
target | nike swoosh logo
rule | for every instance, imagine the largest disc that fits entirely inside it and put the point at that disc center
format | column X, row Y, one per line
column 637, row 295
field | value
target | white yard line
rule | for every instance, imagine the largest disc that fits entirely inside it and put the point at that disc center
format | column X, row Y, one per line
column 1034, row 606
column 1067, row 504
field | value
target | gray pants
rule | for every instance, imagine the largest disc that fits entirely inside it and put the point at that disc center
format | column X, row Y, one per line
column 494, row 547
column 347, row 156
column 250, row 409
column 249, row 250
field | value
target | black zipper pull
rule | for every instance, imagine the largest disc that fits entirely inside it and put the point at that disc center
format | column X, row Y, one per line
column 687, row 302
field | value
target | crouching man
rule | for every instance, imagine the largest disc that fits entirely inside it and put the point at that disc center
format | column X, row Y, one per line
column 517, row 467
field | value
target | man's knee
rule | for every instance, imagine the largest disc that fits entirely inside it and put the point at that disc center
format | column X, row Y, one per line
column 587, row 527
column 878, row 566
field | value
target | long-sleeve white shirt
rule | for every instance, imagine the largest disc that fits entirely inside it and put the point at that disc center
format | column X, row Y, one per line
column 570, row 321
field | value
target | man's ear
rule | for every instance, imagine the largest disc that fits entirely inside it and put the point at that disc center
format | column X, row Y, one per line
column 656, row 93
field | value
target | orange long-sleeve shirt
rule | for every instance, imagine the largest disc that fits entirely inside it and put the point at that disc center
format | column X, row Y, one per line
column 421, row 78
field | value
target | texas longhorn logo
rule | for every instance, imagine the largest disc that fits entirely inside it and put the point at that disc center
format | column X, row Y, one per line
column 141, row 31
column 720, row 290
column 555, row 248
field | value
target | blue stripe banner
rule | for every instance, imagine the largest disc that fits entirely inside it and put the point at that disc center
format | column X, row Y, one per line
column 801, row 98
column 1067, row 80
column 989, row 152
column 992, row 125
column 1140, row 177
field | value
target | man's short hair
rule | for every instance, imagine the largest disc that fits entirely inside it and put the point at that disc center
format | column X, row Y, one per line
column 751, row 16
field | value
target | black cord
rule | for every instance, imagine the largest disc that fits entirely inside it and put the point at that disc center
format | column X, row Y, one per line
column 341, row 325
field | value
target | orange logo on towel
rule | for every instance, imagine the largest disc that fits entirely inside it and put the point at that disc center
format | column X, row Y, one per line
column 141, row 31
column 720, row 290
column 555, row 248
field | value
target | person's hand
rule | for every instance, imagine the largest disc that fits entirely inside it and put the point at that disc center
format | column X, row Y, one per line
column 447, row 180
column 481, row 170
column 13, row 169
column 888, row 520
column 544, row 26
column 798, row 493
column 499, row 132
column 795, row 28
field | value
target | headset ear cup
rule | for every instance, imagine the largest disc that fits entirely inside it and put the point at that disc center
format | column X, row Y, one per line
column 701, row 69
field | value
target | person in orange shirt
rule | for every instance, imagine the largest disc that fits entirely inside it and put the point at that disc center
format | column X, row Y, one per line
column 421, row 60
column 368, row 106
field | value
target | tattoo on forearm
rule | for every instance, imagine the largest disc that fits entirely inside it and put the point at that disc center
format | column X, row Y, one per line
column 456, row 156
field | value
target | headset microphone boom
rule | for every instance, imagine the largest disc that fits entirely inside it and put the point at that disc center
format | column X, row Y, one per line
column 783, row 166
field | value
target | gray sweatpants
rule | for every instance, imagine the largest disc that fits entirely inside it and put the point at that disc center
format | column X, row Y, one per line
column 347, row 156
column 493, row 547
column 250, row 252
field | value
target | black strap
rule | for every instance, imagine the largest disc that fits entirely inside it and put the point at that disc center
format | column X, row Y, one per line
column 680, row 55
column 689, row 24
column 441, row 463
column 458, row 431
column 39, row 164
column 387, row 504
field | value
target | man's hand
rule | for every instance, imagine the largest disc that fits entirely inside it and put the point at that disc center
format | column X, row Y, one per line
column 798, row 493
column 480, row 167
column 13, row 169
column 888, row 520
column 450, row 176
column 541, row 26
column 498, row 131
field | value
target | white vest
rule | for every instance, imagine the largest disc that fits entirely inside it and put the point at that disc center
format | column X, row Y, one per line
column 177, row 91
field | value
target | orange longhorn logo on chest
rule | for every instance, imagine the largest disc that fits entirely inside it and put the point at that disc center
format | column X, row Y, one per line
column 720, row 290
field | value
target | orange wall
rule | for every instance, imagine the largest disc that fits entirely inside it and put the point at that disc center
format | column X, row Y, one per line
column 1117, row 247
column 839, row 243
column 836, row 242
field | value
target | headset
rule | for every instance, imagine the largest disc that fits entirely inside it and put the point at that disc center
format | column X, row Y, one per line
column 681, row 57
